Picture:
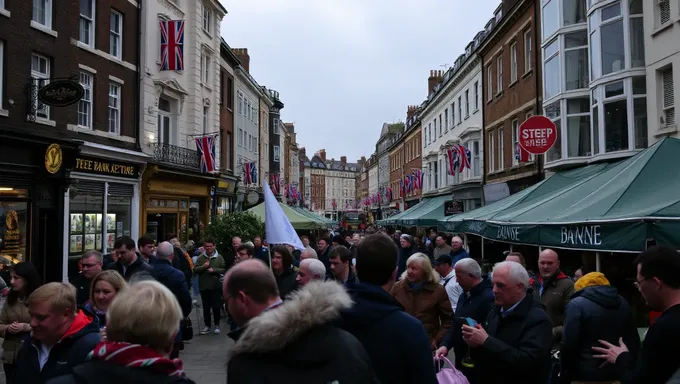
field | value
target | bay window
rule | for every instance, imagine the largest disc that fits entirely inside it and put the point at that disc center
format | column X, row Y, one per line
column 578, row 127
column 550, row 18
column 573, row 11
column 476, row 159
column 637, row 36
column 551, row 70
column 576, row 60
column 554, row 113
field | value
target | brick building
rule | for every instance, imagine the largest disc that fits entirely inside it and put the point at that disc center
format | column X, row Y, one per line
column 512, row 92
column 412, row 153
column 317, row 182
column 226, row 185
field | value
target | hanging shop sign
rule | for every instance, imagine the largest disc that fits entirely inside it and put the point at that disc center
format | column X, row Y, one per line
column 453, row 207
column 54, row 157
column 61, row 93
column 107, row 167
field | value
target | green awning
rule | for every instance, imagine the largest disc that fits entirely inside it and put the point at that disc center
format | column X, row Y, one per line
column 298, row 220
column 323, row 220
column 392, row 220
column 425, row 214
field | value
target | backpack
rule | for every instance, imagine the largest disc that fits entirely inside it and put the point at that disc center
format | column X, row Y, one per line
column 449, row 375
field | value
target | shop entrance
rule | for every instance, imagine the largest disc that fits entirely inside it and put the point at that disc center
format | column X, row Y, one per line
column 160, row 226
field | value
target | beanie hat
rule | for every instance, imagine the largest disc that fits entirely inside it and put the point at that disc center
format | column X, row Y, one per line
column 591, row 279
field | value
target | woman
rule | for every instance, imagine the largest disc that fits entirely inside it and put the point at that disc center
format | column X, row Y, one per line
column 421, row 295
column 282, row 266
column 105, row 286
column 143, row 323
column 14, row 318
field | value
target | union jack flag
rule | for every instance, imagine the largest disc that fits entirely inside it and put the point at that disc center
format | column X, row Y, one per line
column 206, row 148
column 249, row 173
column 275, row 181
column 418, row 177
column 450, row 158
column 172, row 45
column 464, row 155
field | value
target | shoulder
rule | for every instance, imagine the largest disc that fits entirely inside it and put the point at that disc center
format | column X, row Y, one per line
column 538, row 316
column 565, row 284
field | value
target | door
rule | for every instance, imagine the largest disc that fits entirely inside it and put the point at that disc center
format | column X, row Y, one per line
column 48, row 244
column 160, row 226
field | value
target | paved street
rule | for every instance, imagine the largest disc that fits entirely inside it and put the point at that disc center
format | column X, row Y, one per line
column 204, row 358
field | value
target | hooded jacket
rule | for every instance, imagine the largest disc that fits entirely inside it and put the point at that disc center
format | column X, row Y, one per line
column 555, row 295
column 595, row 313
column 297, row 342
column 73, row 348
column 396, row 342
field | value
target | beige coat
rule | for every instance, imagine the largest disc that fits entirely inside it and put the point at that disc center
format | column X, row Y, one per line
column 13, row 341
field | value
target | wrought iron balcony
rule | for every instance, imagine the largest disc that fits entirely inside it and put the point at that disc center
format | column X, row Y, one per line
column 176, row 156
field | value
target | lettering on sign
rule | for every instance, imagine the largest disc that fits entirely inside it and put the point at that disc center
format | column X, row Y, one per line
column 105, row 167
column 508, row 233
column 581, row 235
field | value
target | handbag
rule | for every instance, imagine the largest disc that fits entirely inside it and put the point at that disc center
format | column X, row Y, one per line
column 187, row 329
column 449, row 375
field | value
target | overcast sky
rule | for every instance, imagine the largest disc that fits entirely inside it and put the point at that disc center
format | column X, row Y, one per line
column 344, row 67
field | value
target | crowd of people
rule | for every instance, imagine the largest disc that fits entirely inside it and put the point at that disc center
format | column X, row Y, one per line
column 360, row 308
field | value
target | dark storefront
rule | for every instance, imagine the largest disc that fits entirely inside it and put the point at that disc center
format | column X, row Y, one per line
column 224, row 196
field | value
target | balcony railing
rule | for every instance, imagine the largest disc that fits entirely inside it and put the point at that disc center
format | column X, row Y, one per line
column 176, row 156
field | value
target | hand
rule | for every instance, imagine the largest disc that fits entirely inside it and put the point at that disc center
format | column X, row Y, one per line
column 611, row 352
column 474, row 336
column 103, row 333
column 433, row 345
column 15, row 327
column 211, row 270
column 5, row 291
column 206, row 264
column 441, row 352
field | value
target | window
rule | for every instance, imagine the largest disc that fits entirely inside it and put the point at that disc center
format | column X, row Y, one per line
column 2, row 4
column 513, row 62
column 164, row 122
column 492, row 152
column 467, row 103
column 116, row 35
column 668, row 97
column 489, row 83
column 429, row 133
column 227, row 151
column 87, row 22
column 611, row 36
column 230, row 93
column 240, row 104
column 205, row 69
column 554, row 113
column 515, row 142
column 576, row 60
column 499, row 78
column 275, row 126
column 240, row 137
column 616, row 125
column 640, row 111
column 595, row 67
column 550, row 18
column 528, row 47
column 476, row 95
column 446, row 120
column 440, row 125
column 277, row 153
column 114, row 108
column 551, row 70
column 664, row 11
column 637, row 36
column 206, row 119
column 42, row 12
column 578, row 127
column 435, row 128
column 574, row 11
column 476, row 163
column 85, row 103
column 207, row 19
column 453, row 115
column 501, row 156
column 460, row 109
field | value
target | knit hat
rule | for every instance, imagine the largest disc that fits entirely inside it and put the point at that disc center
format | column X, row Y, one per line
column 591, row 279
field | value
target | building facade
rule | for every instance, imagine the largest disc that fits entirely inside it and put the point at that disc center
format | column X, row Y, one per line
column 224, row 199
column 266, row 103
column 305, row 178
column 388, row 136
column 662, row 61
column 340, row 186
column 292, row 174
column 63, row 187
column 512, row 92
column 361, row 183
column 412, row 140
column 317, row 183
column 372, row 172
column 272, row 139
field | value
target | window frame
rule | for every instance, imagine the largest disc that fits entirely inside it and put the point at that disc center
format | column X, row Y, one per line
column 277, row 153
column 207, row 20
column 671, row 106
column 501, row 149
column 489, row 83
column 499, row 75
column 116, row 34
column 48, row 13
column 206, row 119
column 514, row 64
column 89, row 103
column 92, row 19
column 528, row 49
column 564, row 86
column 113, row 96
column 467, row 103
column 44, row 79
column 515, row 139
column 205, row 68
column 460, row 109
column 492, row 152
column 476, row 96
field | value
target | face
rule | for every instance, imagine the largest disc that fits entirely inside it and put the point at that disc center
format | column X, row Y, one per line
column 305, row 241
column 103, row 294
column 415, row 272
column 649, row 289
column 356, row 239
column 348, row 239
column 456, row 244
column 242, row 255
column 404, row 243
column 304, row 275
column 513, row 258
column 433, row 235
column 277, row 262
column 323, row 246
column 440, row 241
column 505, row 292
column 17, row 282
column 48, row 324
column 548, row 264
column 442, row 269
column 465, row 280
column 257, row 241
column 338, row 268
column 127, row 255
column 147, row 250
column 91, row 267
column 236, row 242
column 209, row 248
column 578, row 274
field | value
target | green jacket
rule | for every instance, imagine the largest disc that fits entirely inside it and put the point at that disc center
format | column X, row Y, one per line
column 210, row 280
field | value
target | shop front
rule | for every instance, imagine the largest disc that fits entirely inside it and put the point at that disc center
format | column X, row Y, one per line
column 102, row 201
column 467, row 196
column 224, row 196
column 34, row 174
column 175, row 204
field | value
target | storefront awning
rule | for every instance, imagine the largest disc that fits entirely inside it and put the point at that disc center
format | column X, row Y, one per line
column 427, row 214
column 392, row 220
column 322, row 220
column 298, row 220
column 606, row 207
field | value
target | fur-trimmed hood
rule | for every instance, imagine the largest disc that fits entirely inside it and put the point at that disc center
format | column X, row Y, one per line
column 316, row 304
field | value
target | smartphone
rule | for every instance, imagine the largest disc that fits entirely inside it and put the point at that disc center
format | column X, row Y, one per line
column 467, row 321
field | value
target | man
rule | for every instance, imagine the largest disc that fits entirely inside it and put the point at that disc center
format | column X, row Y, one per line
column 475, row 303
column 209, row 267
column 243, row 252
column 91, row 262
column 180, row 260
column 231, row 257
column 442, row 248
column 515, row 345
column 146, row 247
column 406, row 250
column 62, row 335
column 289, row 342
column 658, row 280
column 457, row 250
column 129, row 264
column 260, row 251
column 517, row 258
column 305, row 241
column 553, row 288
column 338, row 240
column 396, row 342
column 355, row 240
column 310, row 269
column 341, row 269
column 448, row 278
column 324, row 251
column 309, row 253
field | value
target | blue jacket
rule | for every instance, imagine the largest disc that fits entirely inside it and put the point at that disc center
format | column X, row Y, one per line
column 70, row 351
column 396, row 342
column 175, row 281
column 457, row 256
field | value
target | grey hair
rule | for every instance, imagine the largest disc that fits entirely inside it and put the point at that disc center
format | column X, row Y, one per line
column 316, row 268
column 517, row 273
column 311, row 252
column 430, row 274
column 407, row 237
column 165, row 250
column 96, row 254
column 470, row 266
column 250, row 244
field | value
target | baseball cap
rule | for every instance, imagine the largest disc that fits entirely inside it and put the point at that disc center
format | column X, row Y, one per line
column 444, row 259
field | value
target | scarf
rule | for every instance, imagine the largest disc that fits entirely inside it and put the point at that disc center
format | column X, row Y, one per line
column 416, row 287
column 136, row 356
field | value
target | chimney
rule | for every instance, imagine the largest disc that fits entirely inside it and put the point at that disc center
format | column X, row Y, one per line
column 302, row 152
column 243, row 57
column 343, row 160
column 322, row 154
column 436, row 76
column 411, row 111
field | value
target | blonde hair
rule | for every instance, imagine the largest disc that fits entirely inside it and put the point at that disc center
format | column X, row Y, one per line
column 110, row 276
column 147, row 314
column 62, row 296
column 431, row 276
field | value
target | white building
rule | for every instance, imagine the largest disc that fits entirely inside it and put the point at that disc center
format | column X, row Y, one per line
column 247, row 128
column 340, row 185
column 662, row 57
column 294, row 169
column 372, row 176
column 389, row 134
column 452, row 115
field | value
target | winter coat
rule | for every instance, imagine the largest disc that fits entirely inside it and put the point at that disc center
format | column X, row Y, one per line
column 82, row 288
column 557, row 291
column 286, row 282
column 12, row 342
column 73, row 348
column 99, row 372
column 595, row 313
column 181, row 263
column 210, row 280
column 518, row 347
column 430, row 305
column 402, row 256
column 175, row 281
column 378, row 320
column 138, row 267
column 457, row 256
column 297, row 342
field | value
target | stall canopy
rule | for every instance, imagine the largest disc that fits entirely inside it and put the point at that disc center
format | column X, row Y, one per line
column 606, row 207
column 426, row 214
column 298, row 220
column 395, row 219
column 323, row 220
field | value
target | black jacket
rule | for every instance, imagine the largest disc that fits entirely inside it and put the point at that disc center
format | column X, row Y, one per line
column 180, row 262
column 297, row 342
column 82, row 288
column 99, row 372
column 175, row 281
column 402, row 257
column 594, row 313
column 287, row 282
column 518, row 347
column 395, row 341
column 70, row 351
column 138, row 267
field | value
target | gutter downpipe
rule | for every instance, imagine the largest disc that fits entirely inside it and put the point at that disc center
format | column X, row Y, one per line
column 138, row 110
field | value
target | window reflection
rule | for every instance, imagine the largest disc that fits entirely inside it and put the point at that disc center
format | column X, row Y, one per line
column 13, row 229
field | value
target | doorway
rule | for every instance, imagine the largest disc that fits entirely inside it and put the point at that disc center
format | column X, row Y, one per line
column 160, row 226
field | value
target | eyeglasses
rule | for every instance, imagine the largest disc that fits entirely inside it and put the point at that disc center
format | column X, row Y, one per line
column 639, row 282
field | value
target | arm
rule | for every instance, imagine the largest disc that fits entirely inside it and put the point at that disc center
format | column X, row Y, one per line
column 183, row 295
column 418, row 355
column 569, row 290
column 4, row 320
column 220, row 266
column 534, row 346
column 445, row 315
column 198, row 267
column 571, row 330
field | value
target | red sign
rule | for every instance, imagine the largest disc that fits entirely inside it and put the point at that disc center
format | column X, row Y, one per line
column 537, row 135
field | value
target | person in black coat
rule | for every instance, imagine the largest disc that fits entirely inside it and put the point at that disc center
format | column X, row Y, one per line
column 596, row 312
column 285, row 274
column 171, row 277
column 514, row 345
column 406, row 250
column 129, row 262
column 179, row 261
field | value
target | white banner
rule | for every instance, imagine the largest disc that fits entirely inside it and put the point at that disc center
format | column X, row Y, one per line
column 277, row 226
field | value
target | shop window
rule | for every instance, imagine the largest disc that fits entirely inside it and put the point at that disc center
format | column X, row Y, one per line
column 616, row 125
column 196, row 223
column 14, row 218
